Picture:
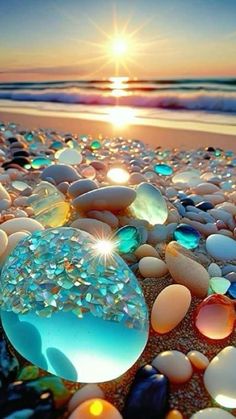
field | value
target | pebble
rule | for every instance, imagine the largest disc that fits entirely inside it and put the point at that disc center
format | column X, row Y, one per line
column 152, row 267
column 170, row 307
column 87, row 392
column 97, row 228
column 205, row 188
column 20, row 224
column 212, row 413
column 81, row 186
column 158, row 234
column 219, row 285
column 70, row 156
column 4, row 194
column 174, row 414
column 214, row 270
column 188, row 178
column 60, row 173
column 186, row 271
column 187, row 236
column 3, row 242
column 220, row 377
column 198, row 360
column 98, row 408
column 5, row 204
column 13, row 240
column 146, row 250
column 105, row 216
column 221, row 247
column 127, row 239
column 112, row 198
column 174, row 365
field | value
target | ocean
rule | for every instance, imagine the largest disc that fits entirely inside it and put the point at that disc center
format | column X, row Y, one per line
column 208, row 102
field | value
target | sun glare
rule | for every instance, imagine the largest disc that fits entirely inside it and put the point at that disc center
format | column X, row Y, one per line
column 121, row 117
column 119, row 47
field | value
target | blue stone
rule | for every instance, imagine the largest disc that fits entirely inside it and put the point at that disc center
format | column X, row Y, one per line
column 163, row 169
column 65, row 302
column 127, row 239
column 148, row 396
column 232, row 290
column 205, row 206
column 187, row 201
column 187, row 236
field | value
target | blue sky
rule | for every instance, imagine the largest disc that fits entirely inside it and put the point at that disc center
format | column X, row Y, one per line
column 45, row 39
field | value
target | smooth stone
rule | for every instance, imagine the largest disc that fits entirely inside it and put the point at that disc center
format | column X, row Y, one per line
column 185, row 270
column 204, row 229
column 127, row 239
column 87, row 392
column 228, row 206
column 80, row 187
column 219, row 285
column 4, row 204
column 4, row 194
column 215, row 198
column 149, row 204
column 214, row 270
column 136, row 178
column 118, row 175
column 220, row 377
column 20, row 224
column 66, row 267
column 13, row 240
column 148, row 395
column 39, row 162
column 163, row 169
column 174, row 414
column 187, row 201
column 198, row 360
column 105, row 216
column 224, row 216
column 190, row 177
column 97, row 228
column 60, row 173
column 146, row 250
column 221, row 247
column 69, row 156
column 112, row 198
column 170, row 307
column 215, row 317
column 231, row 276
column 174, row 365
column 3, row 242
column 205, row 206
column 187, row 236
column 232, row 290
column 205, row 188
column 158, row 234
column 152, row 267
column 212, row 413
column 63, row 187
column 95, row 408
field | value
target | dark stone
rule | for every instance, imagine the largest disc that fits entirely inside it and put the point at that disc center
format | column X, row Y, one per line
column 21, row 153
column 210, row 149
column 21, row 161
column 187, row 201
column 205, row 206
column 12, row 140
column 207, row 157
column 21, row 395
column 148, row 396
column 9, row 364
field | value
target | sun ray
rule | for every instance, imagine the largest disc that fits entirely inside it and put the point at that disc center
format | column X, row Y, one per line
column 99, row 29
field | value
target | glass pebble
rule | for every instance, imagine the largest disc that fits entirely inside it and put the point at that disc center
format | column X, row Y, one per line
column 232, row 290
column 127, row 239
column 187, row 236
column 163, row 169
column 64, row 304
column 219, row 285
column 95, row 145
column 69, row 156
column 39, row 162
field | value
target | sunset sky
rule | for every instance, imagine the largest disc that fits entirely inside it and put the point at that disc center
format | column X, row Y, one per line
column 73, row 39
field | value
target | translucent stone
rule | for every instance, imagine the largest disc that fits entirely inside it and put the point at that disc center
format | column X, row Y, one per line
column 39, row 162
column 163, row 169
column 118, row 175
column 215, row 317
column 49, row 205
column 29, row 136
column 69, row 156
column 127, row 239
column 187, row 236
column 232, row 290
column 19, row 185
column 149, row 204
column 191, row 177
column 219, row 285
column 64, row 303
column 95, row 145
column 88, row 172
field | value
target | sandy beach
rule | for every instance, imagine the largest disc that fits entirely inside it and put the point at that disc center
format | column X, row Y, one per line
column 182, row 136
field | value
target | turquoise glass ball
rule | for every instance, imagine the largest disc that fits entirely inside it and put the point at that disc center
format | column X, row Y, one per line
column 70, row 309
column 163, row 169
column 187, row 236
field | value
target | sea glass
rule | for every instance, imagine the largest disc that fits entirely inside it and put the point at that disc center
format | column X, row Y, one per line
column 95, row 145
column 64, row 304
column 187, row 236
column 40, row 162
column 163, row 169
column 149, row 204
column 127, row 239
column 69, row 156
column 49, row 205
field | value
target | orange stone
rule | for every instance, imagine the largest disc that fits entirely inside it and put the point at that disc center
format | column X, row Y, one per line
column 215, row 317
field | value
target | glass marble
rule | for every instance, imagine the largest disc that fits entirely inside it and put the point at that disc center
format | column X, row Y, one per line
column 127, row 239
column 187, row 236
column 39, row 162
column 149, row 204
column 64, row 304
column 215, row 317
column 95, row 145
column 163, row 169
column 49, row 205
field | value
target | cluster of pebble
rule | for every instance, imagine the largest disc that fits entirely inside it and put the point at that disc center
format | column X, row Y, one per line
column 171, row 215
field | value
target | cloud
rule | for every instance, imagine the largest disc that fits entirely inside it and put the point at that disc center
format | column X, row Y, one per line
column 56, row 70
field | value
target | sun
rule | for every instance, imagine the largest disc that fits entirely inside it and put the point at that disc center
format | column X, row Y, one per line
column 119, row 47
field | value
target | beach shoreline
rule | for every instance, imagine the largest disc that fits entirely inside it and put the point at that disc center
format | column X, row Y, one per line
column 156, row 136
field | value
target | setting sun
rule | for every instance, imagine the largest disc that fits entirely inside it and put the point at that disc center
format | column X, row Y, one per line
column 119, row 47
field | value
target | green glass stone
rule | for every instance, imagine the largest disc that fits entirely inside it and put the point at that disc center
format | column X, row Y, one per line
column 149, row 204
column 30, row 372
column 39, row 162
column 163, row 169
column 219, row 285
column 29, row 136
column 56, row 145
column 65, row 301
column 95, row 145
column 187, row 236
column 127, row 239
